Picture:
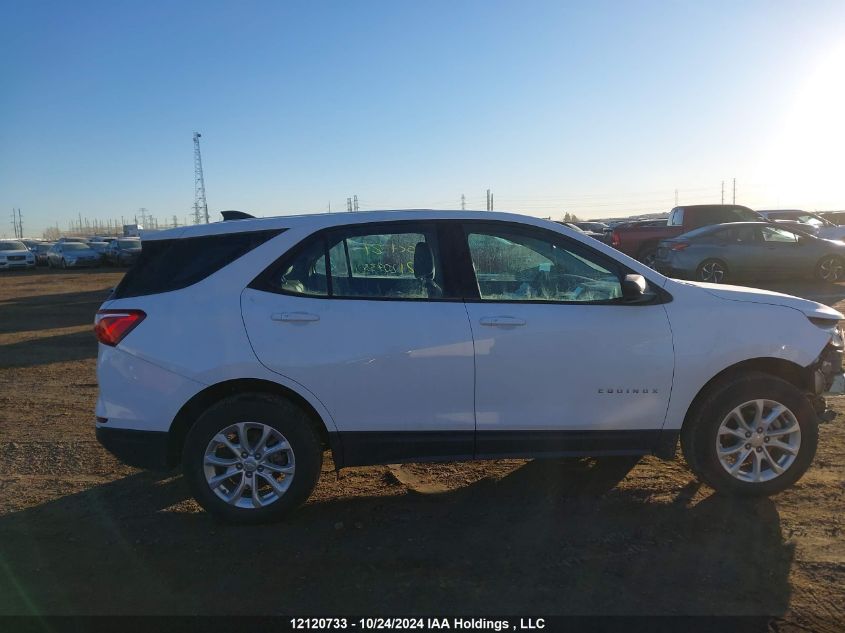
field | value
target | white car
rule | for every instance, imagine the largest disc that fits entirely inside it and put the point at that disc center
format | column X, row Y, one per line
column 15, row 254
column 814, row 223
column 243, row 349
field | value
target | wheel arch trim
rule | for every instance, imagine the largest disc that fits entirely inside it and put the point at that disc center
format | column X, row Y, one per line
column 199, row 402
column 787, row 370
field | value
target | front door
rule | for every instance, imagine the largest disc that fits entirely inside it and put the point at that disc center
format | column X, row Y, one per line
column 563, row 364
column 366, row 319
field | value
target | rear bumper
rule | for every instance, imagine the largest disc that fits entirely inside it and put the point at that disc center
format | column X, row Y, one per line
column 142, row 449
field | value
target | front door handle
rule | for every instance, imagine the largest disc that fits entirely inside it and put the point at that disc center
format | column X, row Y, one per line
column 295, row 317
column 501, row 321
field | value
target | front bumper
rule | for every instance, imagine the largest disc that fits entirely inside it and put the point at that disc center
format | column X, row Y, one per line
column 7, row 265
column 142, row 449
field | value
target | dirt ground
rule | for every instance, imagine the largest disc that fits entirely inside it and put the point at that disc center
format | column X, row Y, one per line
column 82, row 534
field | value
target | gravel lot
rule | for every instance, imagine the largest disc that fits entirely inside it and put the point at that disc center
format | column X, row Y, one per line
column 82, row 534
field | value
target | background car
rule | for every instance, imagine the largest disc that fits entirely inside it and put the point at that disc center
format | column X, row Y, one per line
column 15, row 254
column 40, row 251
column 820, row 226
column 122, row 252
column 837, row 217
column 31, row 244
column 72, row 254
column 750, row 250
column 640, row 239
column 575, row 227
column 99, row 248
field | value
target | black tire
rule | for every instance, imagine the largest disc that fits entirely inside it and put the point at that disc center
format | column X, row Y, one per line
column 700, row 434
column 64, row 264
column 713, row 271
column 830, row 268
column 647, row 255
column 280, row 414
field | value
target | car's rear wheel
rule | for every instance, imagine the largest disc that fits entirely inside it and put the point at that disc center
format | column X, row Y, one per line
column 712, row 271
column 252, row 458
column 830, row 268
column 64, row 263
column 754, row 435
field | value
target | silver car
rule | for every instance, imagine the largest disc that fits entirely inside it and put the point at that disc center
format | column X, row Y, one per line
column 72, row 255
column 750, row 250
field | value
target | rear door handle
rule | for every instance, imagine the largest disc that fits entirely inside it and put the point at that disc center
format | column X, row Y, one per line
column 501, row 321
column 295, row 317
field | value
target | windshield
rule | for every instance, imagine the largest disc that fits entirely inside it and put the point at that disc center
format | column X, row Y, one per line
column 74, row 246
column 12, row 246
column 129, row 244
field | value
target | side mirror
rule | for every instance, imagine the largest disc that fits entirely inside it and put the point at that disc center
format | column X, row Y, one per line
column 635, row 289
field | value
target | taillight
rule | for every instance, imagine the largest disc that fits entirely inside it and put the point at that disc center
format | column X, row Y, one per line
column 111, row 326
column 680, row 246
column 615, row 240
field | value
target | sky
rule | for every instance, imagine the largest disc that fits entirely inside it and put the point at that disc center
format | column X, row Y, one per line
column 595, row 108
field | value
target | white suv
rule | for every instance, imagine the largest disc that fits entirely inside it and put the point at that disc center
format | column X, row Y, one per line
column 245, row 348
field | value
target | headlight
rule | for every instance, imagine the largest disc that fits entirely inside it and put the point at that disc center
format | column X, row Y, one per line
column 833, row 327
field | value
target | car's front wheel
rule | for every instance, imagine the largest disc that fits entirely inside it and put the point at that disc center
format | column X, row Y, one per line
column 252, row 458
column 754, row 435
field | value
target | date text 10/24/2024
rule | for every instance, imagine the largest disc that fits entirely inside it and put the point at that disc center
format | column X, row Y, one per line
column 419, row 624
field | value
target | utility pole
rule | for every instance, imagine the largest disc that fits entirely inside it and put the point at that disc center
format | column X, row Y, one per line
column 355, row 202
column 723, row 192
column 676, row 197
column 734, row 191
column 463, row 202
column 489, row 200
column 200, row 204
column 349, row 205
column 20, row 222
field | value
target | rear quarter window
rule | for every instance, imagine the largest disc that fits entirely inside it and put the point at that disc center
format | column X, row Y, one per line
column 166, row 265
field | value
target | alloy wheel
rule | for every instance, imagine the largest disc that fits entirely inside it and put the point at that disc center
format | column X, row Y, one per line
column 831, row 269
column 713, row 272
column 758, row 441
column 249, row 465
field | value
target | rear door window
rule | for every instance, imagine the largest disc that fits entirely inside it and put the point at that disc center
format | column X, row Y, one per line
column 360, row 262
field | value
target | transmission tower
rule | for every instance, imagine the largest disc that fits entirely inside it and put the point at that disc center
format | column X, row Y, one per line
column 200, row 204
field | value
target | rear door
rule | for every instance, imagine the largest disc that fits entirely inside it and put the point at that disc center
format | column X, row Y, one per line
column 563, row 365
column 367, row 319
